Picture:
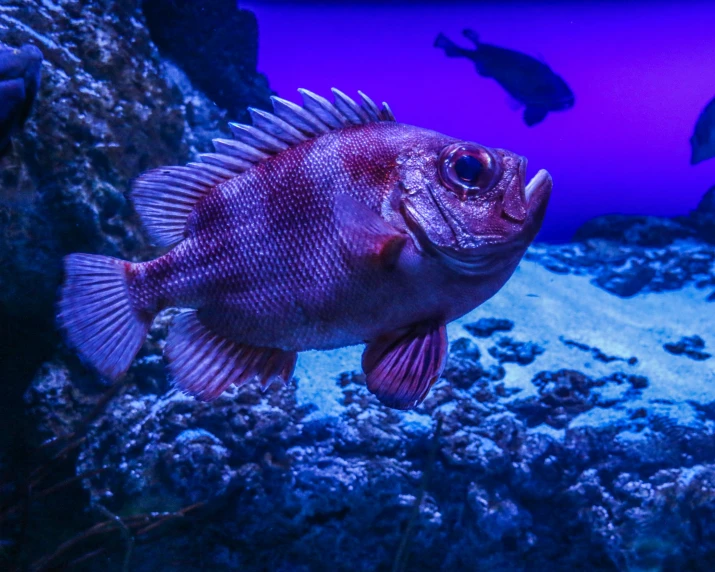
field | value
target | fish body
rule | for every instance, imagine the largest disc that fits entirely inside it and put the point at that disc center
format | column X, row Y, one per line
column 362, row 231
column 530, row 82
column 702, row 143
column 19, row 81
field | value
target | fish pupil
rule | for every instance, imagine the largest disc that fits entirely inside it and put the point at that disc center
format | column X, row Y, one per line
column 468, row 168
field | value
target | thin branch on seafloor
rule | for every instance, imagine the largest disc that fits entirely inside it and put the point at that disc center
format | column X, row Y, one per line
column 130, row 527
column 403, row 551
column 50, row 490
column 72, row 440
column 126, row 533
column 27, row 491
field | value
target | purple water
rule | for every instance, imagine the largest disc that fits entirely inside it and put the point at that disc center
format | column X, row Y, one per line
column 641, row 74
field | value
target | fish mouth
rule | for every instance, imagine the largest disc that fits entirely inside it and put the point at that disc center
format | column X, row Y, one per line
column 474, row 261
column 485, row 253
column 538, row 187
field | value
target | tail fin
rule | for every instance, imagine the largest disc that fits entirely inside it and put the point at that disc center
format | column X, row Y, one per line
column 451, row 49
column 96, row 312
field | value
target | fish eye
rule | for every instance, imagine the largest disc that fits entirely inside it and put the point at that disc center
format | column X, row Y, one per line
column 467, row 169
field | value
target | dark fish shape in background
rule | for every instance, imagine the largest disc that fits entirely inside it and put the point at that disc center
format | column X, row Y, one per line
column 19, row 82
column 702, row 142
column 527, row 80
column 316, row 227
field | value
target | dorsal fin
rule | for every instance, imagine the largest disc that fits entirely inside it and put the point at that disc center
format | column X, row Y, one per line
column 165, row 197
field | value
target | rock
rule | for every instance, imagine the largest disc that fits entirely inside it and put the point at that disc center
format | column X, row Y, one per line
column 508, row 350
column 597, row 353
column 691, row 347
column 626, row 270
column 485, row 327
column 104, row 114
column 636, row 230
column 703, row 217
column 115, row 109
column 216, row 45
column 109, row 108
column 654, row 232
column 631, row 254
column 626, row 280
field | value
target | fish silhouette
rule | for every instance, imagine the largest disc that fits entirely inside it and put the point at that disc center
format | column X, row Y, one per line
column 702, row 142
column 527, row 80
column 317, row 227
column 19, row 82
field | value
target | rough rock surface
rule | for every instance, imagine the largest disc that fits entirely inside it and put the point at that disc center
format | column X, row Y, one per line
column 107, row 111
column 216, row 45
column 631, row 254
column 109, row 107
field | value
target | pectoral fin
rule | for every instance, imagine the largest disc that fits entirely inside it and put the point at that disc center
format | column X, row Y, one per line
column 402, row 367
column 366, row 233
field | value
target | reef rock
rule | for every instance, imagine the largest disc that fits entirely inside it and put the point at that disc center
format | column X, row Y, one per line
column 703, row 217
column 631, row 254
column 216, row 45
column 564, row 431
column 109, row 108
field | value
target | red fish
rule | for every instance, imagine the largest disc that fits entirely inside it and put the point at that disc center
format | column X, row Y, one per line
column 317, row 227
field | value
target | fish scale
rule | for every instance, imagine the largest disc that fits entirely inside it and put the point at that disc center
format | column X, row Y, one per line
column 316, row 228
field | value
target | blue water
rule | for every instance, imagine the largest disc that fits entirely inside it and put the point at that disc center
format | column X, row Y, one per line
column 641, row 73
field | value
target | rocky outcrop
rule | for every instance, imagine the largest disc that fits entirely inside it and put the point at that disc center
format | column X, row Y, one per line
column 216, row 45
column 626, row 255
column 109, row 107
column 563, row 431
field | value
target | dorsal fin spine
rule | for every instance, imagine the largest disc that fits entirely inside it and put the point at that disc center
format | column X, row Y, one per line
column 258, row 138
column 165, row 197
column 349, row 108
column 322, row 108
column 239, row 149
column 302, row 119
column 276, row 126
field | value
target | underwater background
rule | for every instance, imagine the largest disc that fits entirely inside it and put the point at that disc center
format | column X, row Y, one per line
column 638, row 71
column 574, row 425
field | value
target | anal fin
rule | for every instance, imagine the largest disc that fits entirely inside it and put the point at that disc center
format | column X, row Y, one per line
column 401, row 367
column 204, row 364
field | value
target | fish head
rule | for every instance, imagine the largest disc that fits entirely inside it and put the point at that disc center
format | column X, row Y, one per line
column 563, row 97
column 471, row 207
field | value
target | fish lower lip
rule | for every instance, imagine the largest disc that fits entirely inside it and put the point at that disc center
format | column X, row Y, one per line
column 538, row 181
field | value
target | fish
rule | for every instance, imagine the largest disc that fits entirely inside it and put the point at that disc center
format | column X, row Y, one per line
column 529, row 82
column 702, row 142
column 316, row 227
column 20, row 70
